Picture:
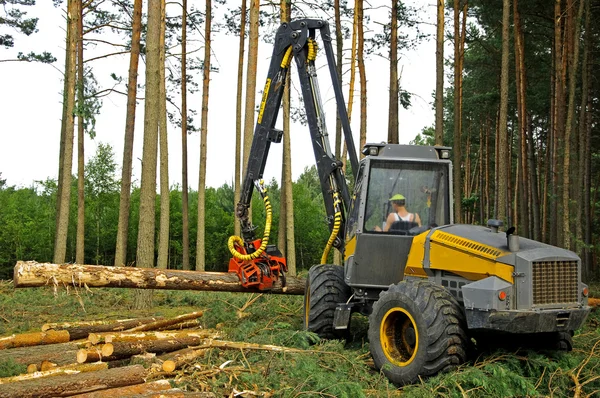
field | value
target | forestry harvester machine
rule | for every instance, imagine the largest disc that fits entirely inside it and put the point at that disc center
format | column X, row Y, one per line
column 427, row 288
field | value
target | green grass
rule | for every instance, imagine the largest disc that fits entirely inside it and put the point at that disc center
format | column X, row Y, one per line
column 327, row 369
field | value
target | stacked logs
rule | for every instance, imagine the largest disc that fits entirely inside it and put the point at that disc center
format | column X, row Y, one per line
column 115, row 358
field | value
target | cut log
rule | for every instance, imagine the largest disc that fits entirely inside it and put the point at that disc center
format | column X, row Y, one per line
column 60, row 354
column 135, row 390
column 93, row 354
column 179, row 360
column 57, row 371
column 151, row 335
column 167, row 322
column 36, row 338
column 81, row 330
column 126, row 349
column 33, row 274
column 61, row 386
column 32, row 367
column 47, row 365
column 236, row 345
column 191, row 324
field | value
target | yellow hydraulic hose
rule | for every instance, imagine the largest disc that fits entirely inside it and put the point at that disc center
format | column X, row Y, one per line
column 312, row 50
column 287, row 58
column 265, row 240
column 337, row 222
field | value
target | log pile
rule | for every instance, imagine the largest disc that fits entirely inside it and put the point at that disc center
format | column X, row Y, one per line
column 135, row 357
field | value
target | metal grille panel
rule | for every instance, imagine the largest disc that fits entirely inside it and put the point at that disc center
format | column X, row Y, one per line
column 554, row 282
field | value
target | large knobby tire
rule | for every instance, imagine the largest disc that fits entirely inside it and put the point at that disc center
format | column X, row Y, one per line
column 325, row 289
column 416, row 329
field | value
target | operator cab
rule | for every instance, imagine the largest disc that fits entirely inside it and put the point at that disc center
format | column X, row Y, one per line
column 416, row 177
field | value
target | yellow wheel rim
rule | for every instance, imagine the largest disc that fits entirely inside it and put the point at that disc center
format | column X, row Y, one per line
column 307, row 306
column 399, row 336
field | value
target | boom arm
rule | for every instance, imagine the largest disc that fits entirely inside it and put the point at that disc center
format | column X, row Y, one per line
column 297, row 40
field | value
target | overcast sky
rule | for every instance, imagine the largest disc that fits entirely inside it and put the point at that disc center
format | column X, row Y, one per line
column 30, row 106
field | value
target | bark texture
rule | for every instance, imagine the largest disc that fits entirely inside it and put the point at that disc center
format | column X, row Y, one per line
column 62, row 386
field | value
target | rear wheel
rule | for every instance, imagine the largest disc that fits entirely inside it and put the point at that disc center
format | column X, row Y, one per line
column 325, row 289
column 416, row 329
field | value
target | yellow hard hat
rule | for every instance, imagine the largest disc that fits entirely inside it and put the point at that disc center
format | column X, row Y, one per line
column 397, row 197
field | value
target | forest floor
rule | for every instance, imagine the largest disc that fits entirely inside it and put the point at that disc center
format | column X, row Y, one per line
column 326, row 369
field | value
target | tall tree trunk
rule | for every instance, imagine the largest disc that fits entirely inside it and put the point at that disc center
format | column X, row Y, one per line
column 251, row 84
column 80, row 249
column 339, row 46
column 457, row 175
column 521, row 84
column 582, row 215
column 558, row 124
column 287, row 198
column 355, row 23
column 566, row 206
column 185, row 222
column 125, row 198
column 62, row 224
column 146, row 229
column 363, row 77
column 393, row 99
column 439, row 76
column 163, row 235
column 502, row 159
column 238, row 115
column 200, row 243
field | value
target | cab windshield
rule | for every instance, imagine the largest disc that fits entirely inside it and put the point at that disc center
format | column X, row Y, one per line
column 410, row 194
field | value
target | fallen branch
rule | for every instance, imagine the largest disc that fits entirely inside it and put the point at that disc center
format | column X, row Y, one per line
column 32, row 274
column 66, row 385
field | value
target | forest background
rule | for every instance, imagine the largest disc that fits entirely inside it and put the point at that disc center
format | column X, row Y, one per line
column 520, row 110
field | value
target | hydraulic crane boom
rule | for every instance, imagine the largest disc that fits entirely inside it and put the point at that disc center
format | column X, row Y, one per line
column 297, row 40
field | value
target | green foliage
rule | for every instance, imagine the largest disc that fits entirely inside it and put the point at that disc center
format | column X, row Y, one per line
column 426, row 137
column 11, row 368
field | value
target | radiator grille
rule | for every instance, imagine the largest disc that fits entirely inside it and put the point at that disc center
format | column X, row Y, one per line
column 554, row 282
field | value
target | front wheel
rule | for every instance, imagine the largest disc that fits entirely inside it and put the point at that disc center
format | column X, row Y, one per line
column 325, row 289
column 416, row 329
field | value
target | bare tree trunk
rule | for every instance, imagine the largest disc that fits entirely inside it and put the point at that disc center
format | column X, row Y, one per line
column 80, row 248
column 339, row 46
column 200, row 248
column 363, row 76
column 124, row 202
column 64, row 201
column 251, row 84
column 238, row 116
column 185, row 222
column 287, row 199
column 457, row 177
column 554, row 191
column 582, row 218
column 439, row 76
column 393, row 99
column 355, row 23
column 566, row 206
column 503, row 160
column 146, row 229
column 163, row 235
column 521, row 83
